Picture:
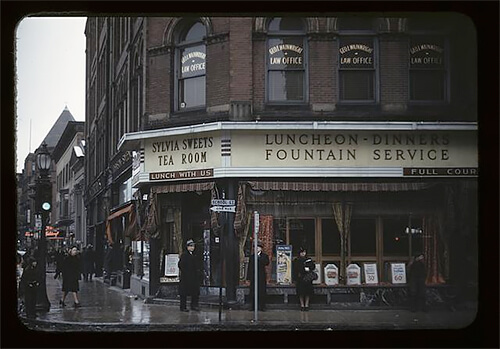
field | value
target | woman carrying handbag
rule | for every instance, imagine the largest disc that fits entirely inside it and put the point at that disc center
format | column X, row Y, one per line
column 304, row 275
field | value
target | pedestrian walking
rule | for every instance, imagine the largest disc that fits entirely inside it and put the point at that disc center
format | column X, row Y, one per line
column 190, row 275
column 88, row 259
column 28, row 287
column 416, row 279
column 304, row 275
column 71, row 271
column 262, row 262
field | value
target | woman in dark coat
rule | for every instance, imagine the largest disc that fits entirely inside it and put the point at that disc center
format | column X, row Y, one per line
column 302, row 266
column 416, row 279
column 28, row 286
column 71, row 271
column 262, row 262
column 190, row 272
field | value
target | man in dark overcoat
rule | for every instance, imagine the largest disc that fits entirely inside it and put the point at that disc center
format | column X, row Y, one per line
column 190, row 272
column 28, row 286
column 417, row 274
column 262, row 262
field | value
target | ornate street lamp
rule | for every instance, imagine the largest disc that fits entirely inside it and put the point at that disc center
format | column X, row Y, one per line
column 43, row 207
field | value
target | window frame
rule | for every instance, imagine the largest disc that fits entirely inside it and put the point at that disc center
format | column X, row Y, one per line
column 271, row 34
column 445, row 70
column 183, row 28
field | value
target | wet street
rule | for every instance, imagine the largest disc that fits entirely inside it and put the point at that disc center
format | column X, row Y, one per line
column 105, row 307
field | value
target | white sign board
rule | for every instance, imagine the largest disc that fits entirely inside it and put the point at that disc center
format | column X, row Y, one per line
column 317, row 270
column 331, row 274
column 353, row 274
column 222, row 202
column 171, row 264
column 398, row 272
column 371, row 276
column 223, row 208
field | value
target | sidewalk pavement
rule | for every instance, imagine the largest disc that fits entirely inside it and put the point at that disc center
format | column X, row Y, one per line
column 109, row 308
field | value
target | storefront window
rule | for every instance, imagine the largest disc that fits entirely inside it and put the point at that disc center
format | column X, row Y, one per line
column 302, row 234
column 330, row 242
column 363, row 237
column 395, row 239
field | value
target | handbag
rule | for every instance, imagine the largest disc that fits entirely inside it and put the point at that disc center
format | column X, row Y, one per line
column 310, row 276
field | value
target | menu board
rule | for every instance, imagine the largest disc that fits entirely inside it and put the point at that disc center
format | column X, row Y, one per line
column 398, row 272
column 371, row 276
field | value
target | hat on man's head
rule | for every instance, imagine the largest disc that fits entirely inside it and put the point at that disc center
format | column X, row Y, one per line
column 190, row 242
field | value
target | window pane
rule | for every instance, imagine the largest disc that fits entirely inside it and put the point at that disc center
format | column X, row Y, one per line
column 289, row 23
column 192, row 61
column 286, row 53
column 195, row 33
column 395, row 239
column 302, row 234
column 286, row 86
column 427, row 85
column 363, row 241
column 192, row 92
column 330, row 242
column 356, row 85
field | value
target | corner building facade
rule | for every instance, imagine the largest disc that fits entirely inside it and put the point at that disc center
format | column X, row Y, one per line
column 352, row 135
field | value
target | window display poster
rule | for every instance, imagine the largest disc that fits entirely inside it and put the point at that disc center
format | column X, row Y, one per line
column 284, row 264
column 331, row 274
column 353, row 274
column 398, row 272
column 371, row 276
column 317, row 270
column 171, row 264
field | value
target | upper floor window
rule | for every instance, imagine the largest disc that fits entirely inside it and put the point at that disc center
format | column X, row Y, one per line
column 286, row 61
column 191, row 66
column 357, row 60
column 427, row 69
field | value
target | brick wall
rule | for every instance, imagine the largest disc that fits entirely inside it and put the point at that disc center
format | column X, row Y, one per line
column 393, row 63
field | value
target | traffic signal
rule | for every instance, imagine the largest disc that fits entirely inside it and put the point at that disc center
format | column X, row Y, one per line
column 44, row 197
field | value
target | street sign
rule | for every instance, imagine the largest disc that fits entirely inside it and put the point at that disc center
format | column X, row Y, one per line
column 221, row 202
column 223, row 208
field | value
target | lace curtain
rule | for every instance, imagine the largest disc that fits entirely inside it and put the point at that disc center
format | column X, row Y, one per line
column 342, row 213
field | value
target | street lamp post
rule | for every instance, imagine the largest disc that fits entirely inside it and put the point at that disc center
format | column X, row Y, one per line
column 43, row 206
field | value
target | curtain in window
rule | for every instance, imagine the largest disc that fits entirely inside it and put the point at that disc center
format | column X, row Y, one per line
column 152, row 219
column 177, row 229
column 242, row 225
column 266, row 235
column 430, row 228
column 342, row 213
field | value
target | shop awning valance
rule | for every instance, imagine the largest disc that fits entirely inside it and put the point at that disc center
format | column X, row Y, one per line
column 182, row 187
column 328, row 186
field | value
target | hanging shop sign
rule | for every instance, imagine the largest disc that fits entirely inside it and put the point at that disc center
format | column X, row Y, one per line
column 309, row 153
column 398, row 273
column 284, row 264
column 353, row 274
column 331, row 275
column 371, row 276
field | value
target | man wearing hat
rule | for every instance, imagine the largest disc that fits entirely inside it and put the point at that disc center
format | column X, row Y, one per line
column 262, row 262
column 190, row 271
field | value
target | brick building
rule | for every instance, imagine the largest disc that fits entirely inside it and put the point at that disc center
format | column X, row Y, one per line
column 353, row 135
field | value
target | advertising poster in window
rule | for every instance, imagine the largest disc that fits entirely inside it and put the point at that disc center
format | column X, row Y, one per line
column 398, row 272
column 331, row 274
column 284, row 264
column 317, row 270
column 371, row 276
column 171, row 267
column 353, row 274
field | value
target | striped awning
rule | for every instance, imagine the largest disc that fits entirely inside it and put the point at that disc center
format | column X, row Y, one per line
column 329, row 186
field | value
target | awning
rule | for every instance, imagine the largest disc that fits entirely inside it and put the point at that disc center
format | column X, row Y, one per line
column 182, row 187
column 63, row 223
column 132, row 221
column 329, row 186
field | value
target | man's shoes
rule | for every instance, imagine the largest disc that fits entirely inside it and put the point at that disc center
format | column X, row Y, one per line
column 77, row 305
column 62, row 304
column 185, row 310
column 306, row 308
column 302, row 308
column 195, row 308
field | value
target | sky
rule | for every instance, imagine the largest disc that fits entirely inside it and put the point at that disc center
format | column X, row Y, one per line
column 50, row 74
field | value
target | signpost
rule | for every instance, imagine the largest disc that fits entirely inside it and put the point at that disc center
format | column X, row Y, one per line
column 256, row 218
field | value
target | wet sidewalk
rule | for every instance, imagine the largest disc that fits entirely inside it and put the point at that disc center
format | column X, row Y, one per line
column 109, row 308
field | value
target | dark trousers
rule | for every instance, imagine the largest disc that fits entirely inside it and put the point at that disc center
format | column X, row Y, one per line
column 30, row 302
column 417, row 297
column 194, row 301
